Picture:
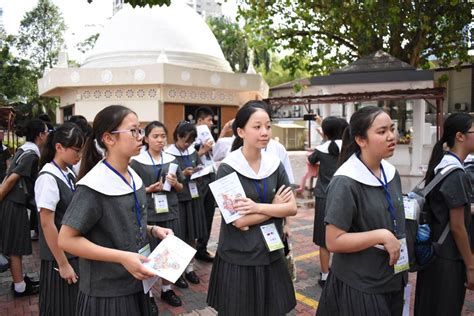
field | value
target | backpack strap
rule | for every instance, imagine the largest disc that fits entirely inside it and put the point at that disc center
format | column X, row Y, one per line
column 434, row 182
column 439, row 177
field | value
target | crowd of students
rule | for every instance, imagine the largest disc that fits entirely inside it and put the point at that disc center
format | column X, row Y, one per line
column 107, row 194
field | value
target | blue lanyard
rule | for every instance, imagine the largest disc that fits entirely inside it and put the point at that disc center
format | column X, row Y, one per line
column 262, row 195
column 157, row 169
column 388, row 196
column 187, row 161
column 455, row 156
column 138, row 210
column 71, row 185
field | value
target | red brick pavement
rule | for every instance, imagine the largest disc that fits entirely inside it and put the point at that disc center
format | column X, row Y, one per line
column 194, row 298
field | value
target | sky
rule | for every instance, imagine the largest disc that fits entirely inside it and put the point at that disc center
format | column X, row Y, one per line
column 82, row 19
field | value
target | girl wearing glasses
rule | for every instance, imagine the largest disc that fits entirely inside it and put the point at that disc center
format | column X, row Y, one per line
column 191, row 208
column 441, row 287
column 54, row 189
column 106, row 222
column 152, row 165
column 17, row 194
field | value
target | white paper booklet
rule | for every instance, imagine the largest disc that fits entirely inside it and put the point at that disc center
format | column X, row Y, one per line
column 204, row 134
column 225, row 191
column 168, row 260
column 202, row 172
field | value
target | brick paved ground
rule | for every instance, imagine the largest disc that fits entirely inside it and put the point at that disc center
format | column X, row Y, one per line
column 194, row 298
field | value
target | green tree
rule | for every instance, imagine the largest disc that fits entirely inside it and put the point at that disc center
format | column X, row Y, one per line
column 277, row 74
column 142, row 3
column 87, row 44
column 40, row 35
column 236, row 45
column 328, row 34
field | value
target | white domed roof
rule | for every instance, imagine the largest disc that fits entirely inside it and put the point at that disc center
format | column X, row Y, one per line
column 141, row 36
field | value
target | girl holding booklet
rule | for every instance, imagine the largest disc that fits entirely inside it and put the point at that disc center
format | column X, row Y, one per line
column 249, row 275
column 191, row 208
column 364, row 209
column 54, row 189
column 153, row 165
column 106, row 222
column 441, row 287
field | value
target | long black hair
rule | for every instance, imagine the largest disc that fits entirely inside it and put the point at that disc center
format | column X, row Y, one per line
column 242, row 117
column 359, row 124
column 150, row 127
column 31, row 130
column 332, row 129
column 68, row 135
column 107, row 120
column 455, row 123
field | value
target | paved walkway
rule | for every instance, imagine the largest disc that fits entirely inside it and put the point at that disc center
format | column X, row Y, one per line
column 194, row 298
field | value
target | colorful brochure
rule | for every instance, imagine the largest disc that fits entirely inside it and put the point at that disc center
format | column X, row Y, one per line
column 168, row 260
column 225, row 191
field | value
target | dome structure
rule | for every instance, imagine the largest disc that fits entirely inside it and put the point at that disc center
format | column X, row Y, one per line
column 144, row 36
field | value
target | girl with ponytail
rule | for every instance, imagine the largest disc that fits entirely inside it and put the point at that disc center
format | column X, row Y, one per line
column 441, row 287
column 248, row 276
column 17, row 196
column 54, row 190
column 365, row 223
column 326, row 155
column 105, row 224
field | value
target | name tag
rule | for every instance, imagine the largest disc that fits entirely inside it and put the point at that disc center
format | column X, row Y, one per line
column 402, row 263
column 161, row 203
column 412, row 209
column 145, row 250
column 194, row 190
column 271, row 237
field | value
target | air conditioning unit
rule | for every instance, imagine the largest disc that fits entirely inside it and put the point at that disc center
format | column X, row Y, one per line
column 460, row 106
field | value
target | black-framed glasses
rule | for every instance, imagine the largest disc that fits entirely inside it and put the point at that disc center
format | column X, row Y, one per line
column 136, row 132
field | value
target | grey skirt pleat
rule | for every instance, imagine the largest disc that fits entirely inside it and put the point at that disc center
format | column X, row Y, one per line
column 250, row 290
column 128, row 305
column 15, row 236
column 192, row 219
column 440, row 288
column 339, row 299
column 56, row 296
column 171, row 224
column 319, row 231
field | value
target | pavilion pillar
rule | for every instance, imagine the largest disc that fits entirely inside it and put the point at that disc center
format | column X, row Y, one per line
column 350, row 109
column 419, row 109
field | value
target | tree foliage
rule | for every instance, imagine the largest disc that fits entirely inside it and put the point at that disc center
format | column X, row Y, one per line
column 40, row 36
column 236, row 45
column 143, row 3
column 87, row 44
column 323, row 35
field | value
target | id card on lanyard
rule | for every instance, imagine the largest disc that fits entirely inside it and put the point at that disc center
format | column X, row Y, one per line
column 193, row 189
column 161, row 203
column 137, row 208
column 269, row 232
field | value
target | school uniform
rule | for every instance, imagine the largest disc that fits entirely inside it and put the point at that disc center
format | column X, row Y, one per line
column 246, row 278
column 327, row 168
column 363, row 282
column 54, row 190
column 14, row 223
column 104, row 211
column 209, row 203
column 151, row 171
column 192, row 217
column 4, row 156
column 440, row 287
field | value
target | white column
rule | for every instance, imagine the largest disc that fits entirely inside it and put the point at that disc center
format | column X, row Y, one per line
column 419, row 108
column 350, row 109
column 326, row 110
